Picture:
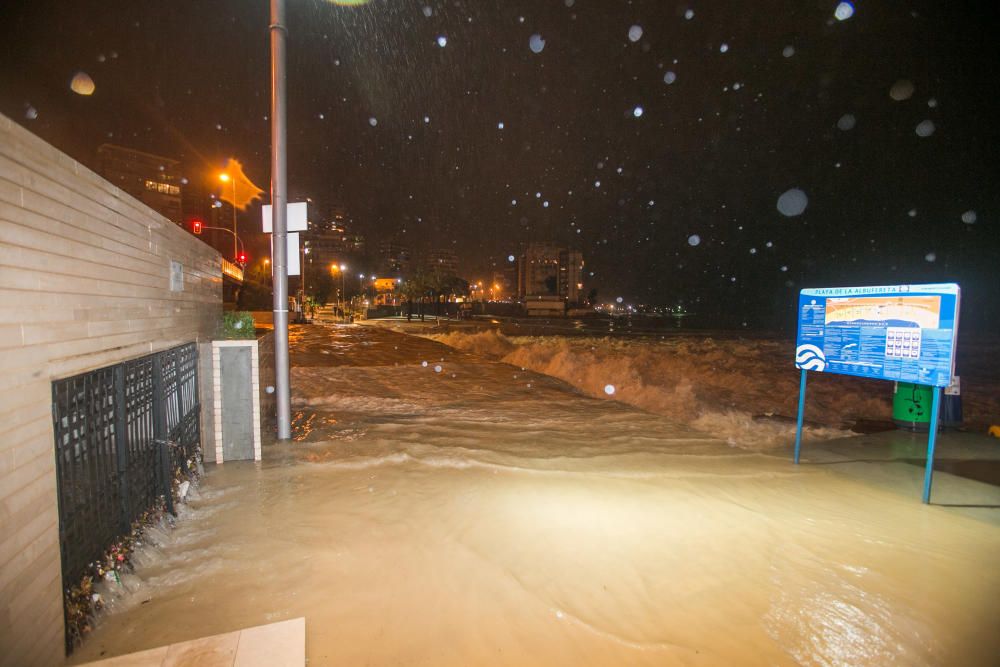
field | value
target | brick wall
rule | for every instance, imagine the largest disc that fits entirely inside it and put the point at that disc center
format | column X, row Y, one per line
column 84, row 283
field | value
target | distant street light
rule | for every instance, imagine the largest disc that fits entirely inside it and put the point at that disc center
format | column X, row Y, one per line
column 342, row 269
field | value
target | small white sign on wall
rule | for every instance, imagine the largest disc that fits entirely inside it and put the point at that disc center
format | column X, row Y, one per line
column 176, row 276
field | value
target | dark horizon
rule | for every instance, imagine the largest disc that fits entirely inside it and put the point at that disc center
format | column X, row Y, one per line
column 405, row 134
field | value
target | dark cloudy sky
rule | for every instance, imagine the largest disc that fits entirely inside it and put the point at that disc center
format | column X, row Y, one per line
column 396, row 111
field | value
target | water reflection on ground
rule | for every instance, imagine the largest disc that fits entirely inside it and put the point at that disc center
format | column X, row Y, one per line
column 440, row 509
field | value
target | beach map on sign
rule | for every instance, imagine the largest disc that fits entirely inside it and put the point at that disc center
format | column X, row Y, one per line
column 899, row 332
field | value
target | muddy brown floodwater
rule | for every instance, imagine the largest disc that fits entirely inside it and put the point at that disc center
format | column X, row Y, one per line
column 439, row 509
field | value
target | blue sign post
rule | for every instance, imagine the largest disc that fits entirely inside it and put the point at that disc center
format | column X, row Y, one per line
column 898, row 332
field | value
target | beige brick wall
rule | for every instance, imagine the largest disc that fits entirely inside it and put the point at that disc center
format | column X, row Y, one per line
column 84, row 283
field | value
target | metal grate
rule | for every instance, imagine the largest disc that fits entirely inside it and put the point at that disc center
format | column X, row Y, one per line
column 122, row 434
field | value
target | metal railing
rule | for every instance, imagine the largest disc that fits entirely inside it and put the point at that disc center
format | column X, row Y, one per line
column 122, row 435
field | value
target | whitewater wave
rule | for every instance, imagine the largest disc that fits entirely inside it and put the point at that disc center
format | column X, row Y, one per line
column 742, row 391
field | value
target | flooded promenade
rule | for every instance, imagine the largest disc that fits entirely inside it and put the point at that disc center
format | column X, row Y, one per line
column 439, row 509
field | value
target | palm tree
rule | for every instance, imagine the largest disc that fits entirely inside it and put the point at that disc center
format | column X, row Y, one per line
column 414, row 287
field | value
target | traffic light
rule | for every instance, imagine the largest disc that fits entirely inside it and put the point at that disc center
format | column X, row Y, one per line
column 242, row 258
column 196, row 226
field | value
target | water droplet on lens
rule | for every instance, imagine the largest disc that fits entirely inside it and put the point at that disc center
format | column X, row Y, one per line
column 792, row 202
column 844, row 11
column 901, row 90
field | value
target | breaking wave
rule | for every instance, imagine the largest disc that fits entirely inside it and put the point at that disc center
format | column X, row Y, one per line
column 742, row 391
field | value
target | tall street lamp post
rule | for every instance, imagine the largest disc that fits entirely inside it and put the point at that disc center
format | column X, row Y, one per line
column 226, row 178
column 279, row 200
column 343, row 296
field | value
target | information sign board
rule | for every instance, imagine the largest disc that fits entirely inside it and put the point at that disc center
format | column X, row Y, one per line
column 297, row 220
column 896, row 332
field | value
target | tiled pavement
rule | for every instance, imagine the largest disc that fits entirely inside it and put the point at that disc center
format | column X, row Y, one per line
column 275, row 645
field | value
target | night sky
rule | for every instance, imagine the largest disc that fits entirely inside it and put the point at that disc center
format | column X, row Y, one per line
column 437, row 124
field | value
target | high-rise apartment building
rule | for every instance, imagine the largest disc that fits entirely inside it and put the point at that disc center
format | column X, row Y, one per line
column 152, row 179
column 550, row 271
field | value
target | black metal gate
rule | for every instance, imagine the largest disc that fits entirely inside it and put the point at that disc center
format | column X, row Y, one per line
column 121, row 435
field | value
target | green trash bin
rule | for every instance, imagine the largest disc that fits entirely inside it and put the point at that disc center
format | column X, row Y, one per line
column 911, row 406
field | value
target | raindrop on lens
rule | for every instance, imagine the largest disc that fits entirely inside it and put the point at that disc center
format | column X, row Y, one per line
column 846, row 122
column 930, row 257
column 788, row 51
column 637, row 112
column 437, row 369
column 694, row 240
column 925, row 129
column 442, row 41
column 969, row 217
column 609, row 389
column 635, row 33
column 792, row 202
column 901, row 90
column 82, row 84
column 669, row 77
column 536, row 43
column 844, row 11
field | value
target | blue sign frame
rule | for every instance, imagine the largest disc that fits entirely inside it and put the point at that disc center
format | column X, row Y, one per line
column 905, row 333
